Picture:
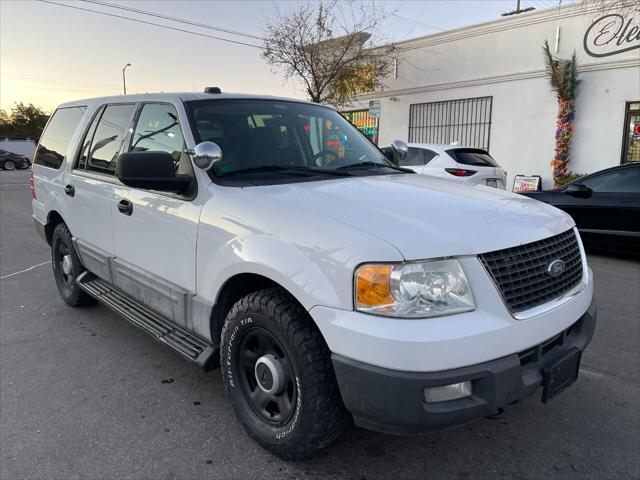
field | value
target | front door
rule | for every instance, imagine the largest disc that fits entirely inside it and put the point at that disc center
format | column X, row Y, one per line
column 611, row 214
column 156, row 240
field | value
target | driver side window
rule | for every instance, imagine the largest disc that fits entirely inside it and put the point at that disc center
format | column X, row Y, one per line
column 158, row 130
column 625, row 180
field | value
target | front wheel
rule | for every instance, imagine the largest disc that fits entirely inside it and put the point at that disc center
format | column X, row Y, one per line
column 278, row 374
column 9, row 165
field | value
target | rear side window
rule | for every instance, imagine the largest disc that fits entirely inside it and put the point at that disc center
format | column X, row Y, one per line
column 473, row 157
column 110, row 131
column 86, row 144
column 413, row 158
column 418, row 156
column 56, row 137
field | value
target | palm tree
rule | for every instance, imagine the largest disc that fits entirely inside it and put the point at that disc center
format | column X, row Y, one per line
column 563, row 78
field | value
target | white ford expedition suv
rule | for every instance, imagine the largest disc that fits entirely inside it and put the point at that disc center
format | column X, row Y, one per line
column 271, row 238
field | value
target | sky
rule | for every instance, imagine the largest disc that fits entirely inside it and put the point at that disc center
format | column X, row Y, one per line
column 50, row 54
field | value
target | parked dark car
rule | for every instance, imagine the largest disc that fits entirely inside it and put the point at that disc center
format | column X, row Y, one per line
column 11, row 161
column 605, row 206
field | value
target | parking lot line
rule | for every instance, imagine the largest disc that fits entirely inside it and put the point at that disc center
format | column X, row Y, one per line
column 25, row 270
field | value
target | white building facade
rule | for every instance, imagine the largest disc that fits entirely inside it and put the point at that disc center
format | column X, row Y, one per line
column 485, row 86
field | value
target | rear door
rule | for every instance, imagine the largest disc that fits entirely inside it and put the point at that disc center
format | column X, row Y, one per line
column 611, row 214
column 90, row 186
column 417, row 158
column 155, row 242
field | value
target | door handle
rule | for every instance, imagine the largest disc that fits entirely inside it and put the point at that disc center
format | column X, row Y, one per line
column 70, row 190
column 125, row 207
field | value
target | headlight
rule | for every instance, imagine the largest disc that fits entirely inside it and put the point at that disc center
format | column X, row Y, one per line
column 413, row 289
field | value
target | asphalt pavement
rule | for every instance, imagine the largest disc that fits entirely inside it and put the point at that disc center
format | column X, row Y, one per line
column 85, row 395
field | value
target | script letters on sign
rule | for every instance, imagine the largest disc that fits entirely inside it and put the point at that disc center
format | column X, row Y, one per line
column 612, row 34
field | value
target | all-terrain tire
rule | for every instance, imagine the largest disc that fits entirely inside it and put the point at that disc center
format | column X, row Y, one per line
column 62, row 245
column 319, row 416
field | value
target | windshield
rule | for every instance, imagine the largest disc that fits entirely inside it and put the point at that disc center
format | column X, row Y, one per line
column 278, row 137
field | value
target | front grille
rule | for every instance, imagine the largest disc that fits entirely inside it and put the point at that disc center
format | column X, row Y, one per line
column 521, row 272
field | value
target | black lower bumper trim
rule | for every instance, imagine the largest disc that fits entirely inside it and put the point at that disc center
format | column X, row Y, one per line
column 391, row 401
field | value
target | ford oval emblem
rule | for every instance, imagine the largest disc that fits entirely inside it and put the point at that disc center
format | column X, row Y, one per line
column 556, row 268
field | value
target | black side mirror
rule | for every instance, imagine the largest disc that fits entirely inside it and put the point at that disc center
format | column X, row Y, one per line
column 578, row 190
column 396, row 151
column 152, row 171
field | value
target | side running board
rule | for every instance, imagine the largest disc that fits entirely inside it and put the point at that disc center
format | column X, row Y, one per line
column 186, row 344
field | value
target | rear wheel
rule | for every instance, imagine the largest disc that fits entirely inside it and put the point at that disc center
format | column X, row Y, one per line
column 9, row 165
column 278, row 374
column 67, row 267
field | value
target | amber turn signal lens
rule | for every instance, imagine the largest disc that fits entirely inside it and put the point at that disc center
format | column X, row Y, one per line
column 372, row 286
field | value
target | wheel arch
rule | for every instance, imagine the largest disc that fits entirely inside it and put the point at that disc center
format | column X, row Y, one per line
column 234, row 288
column 53, row 220
column 254, row 262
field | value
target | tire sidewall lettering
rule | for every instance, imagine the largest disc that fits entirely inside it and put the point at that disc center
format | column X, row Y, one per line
column 229, row 353
column 288, row 429
column 277, row 434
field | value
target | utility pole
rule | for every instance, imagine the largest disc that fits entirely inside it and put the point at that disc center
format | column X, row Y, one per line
column 518, row 10
column 124, row 80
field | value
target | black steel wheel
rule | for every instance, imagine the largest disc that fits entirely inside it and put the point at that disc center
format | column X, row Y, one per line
column 278, row 374
column 67, row 267
column 267, row 376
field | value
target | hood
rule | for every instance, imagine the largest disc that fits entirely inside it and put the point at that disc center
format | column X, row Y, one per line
column 426, row 217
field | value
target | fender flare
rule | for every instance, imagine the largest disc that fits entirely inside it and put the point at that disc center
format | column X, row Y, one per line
column 275, row 260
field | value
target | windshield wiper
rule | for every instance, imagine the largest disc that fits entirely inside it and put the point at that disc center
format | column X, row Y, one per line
column 376, row 165
column 285, row 169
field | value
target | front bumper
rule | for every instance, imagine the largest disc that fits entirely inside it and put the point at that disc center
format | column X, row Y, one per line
column 391, row 401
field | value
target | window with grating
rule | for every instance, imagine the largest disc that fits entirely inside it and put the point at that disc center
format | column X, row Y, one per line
column 466, row 121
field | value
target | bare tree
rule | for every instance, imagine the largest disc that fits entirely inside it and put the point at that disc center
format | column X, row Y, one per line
column 624, row 7
column 334, row 49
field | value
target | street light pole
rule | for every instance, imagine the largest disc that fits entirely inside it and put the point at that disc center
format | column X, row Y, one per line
column 124, row 80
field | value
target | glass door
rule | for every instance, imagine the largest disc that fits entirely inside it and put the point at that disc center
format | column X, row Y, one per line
column 631, row 135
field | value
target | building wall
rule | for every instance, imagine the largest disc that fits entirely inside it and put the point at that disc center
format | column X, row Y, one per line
column 503, row 59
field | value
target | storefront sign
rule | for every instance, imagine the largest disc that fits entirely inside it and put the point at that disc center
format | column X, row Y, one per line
column 374, row 108
column 612, row 34
column 636, row 130
column 527, row 183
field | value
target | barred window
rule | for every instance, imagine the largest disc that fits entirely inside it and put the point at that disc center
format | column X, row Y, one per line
column 465, row 121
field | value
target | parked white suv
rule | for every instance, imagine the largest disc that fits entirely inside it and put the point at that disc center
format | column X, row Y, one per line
column 270, row 237
column 473, row 166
